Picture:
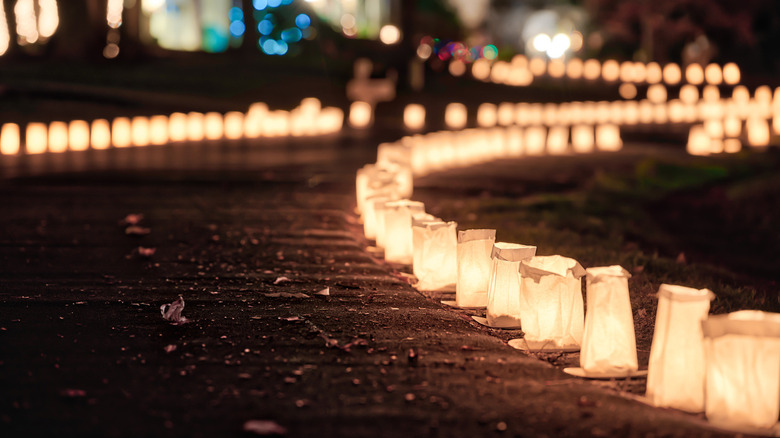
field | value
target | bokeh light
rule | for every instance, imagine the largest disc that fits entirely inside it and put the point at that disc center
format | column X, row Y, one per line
column 36, row 138
column 610, row 70
column 713, row 74
column 389, row 34
column 694, row 74
column 10, row 141
column 480, row 69
column 78, row 135
column 672, row 74
column 100, row 134
column 731, row 74
column 58, row 137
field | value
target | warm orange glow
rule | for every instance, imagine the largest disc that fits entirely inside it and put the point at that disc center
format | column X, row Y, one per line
column 234, row 125
column 537, row 66
column 689, row 94
column 694, row 74
column 480, row 69
column 608, row 138
column 654, row 74
column 627, row 91
column 534, row 141
column 656, row 93
column 499, row 73
column 757, row 132
column 520, row 77
column 506, row 114
column 676, row 111
column 36, row 138
column 78, row 135
column 486, row 115
column 5, row 35
column 732, row 126
column 558, row 140
column 646, row 109
column 414, row 116
column 114, row 13
column 277, row 124
column 603, row 112
column 455, row 115
column 158, row 130
column 48, row 18
column 627, row 72
column 591, row 69
column 177, row 127
column 610, row 70
column 699, row 143
column 640, row 72
column 213, row 127
column 582, row 140
column 713, row 74
column 660, row 114
column 731, row 74
column 121, row 132
column 763, row 94
column 550, row 115
column 140, row 131
column 713, row 128
column 195, row 126
column 26, row 23
column 58, row 137
column 672, row 74
column 9, row 139
column 100, row 134
column 556, row 68
column 710, row 93
column 616, row 113
column 732, row 145
column 631, row 112
column 360, row 114
column 575, row 68
column 457, row 67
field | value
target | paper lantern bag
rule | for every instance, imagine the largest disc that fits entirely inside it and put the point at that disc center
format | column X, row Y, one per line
column 743, row 369
column 474, row 249
column 608, row 342
column 551, row 305
column 438, row 269
column 503, row 306
column 398, row 230
column 418, row 236
column 676, row 371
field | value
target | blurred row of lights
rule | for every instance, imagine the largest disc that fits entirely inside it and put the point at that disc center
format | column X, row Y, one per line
column 454, row 51
column 31, row 26
column 308, row 119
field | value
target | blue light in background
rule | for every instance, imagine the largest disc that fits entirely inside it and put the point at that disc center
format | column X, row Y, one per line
column 265, row 27
column 260, row 4
column 236, row 14
column 269, row 47
column 237, row 28
column 302, row 21
column 281, row 47
column 274, row 3
column 286, row 2
column 292, row 35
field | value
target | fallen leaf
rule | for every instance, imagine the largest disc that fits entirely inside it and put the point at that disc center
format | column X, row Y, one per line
column 264, row 427
column 170, row 347
column 291, row 318
column 146, row 252
column 172, row 312
column 281, row 279
column 132, row 219
column 323, row 293
column 135, row 230
column 287, row 295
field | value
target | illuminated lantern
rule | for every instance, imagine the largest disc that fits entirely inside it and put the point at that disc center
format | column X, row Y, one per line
column 537, row 66
column 234, row 125
column 694, row 74
column 370, row 215
column 556, row 68
column 608, row 341
column 505, row 114
column 732, row 145
column 610, row 70
column 757, row 132
column 158, row 130
column 631, row 112
column 58, row 137
column 656, row 93
column 550, row 114
column 676, row 371
column 360, row 114
column 699, row 142
column 10, row 140
column 672, row 74
column 439, row 260
column 418, row 229
column 582, row 140
column 503, row 306
column 603, row 112
column 731, row 74
column 455, row 115
column 591, row 69
column 36, row 138
column 574, row 68
column 551, row 306
column 414, row 116
column 742, row 359
column 713, row 74
column 195, row 130
column 379, row 217
column 78, row 135
column 558, row 140
column 371, row 180
column 654, row 73
column 608, row 138
column 486, row 115
column 213, row 126
column 534, row 140
column 398, row 230
column 177, row 127
column 100, row 134
column 474, row 248
column 121, row 132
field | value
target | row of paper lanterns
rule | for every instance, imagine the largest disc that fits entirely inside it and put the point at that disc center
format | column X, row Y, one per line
column 725, row 365
column 308, row 119
column 521, row 71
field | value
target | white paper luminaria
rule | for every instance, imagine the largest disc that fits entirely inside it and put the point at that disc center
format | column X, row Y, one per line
column 370, row 214
column 438, row 269
column 743, row 369
column 419, row 221
column 474, row 249
column 503, row 306
column 398, row 230
column 608, row 342
column 675, row 376
column 551, row 305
